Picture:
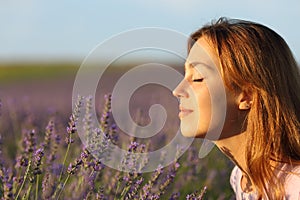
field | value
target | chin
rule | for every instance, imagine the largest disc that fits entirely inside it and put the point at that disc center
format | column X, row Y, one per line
column 191, row 132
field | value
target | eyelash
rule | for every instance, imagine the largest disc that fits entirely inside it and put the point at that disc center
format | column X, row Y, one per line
column 198, row 80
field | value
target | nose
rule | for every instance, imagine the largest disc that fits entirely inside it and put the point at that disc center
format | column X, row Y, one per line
column 180, row 90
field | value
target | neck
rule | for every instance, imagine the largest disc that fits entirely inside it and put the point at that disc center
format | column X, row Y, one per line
column 235, row 148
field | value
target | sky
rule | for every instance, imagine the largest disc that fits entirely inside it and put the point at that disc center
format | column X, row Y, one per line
column 70, row 29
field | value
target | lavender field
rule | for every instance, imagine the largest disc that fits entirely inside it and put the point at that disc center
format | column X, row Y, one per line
column 42, row 156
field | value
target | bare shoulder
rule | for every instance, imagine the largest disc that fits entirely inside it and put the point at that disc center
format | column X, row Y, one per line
column 292, row 183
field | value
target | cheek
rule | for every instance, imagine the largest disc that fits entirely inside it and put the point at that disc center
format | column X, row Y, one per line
column 209, row 114
column 204, row 112
column 196, row 124
column 212, row 112
column 190, row 123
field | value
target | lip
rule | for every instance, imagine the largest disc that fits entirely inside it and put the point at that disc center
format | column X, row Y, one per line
column 184, row 112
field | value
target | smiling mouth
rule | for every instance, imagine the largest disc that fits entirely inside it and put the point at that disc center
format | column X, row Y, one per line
column 184, row 112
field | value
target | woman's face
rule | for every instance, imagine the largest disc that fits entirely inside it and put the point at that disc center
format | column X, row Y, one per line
column 207, row 109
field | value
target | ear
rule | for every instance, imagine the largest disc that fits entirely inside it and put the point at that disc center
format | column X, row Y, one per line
column 245, row 100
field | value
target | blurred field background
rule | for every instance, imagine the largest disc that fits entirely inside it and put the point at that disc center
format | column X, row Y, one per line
column 33, row 93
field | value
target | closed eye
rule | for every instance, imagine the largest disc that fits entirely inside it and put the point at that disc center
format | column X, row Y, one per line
column 198, row 80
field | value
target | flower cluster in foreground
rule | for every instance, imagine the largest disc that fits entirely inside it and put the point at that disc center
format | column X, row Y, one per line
column 52, row 165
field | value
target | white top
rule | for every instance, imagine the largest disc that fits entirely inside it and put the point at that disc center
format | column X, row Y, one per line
column 292, row 185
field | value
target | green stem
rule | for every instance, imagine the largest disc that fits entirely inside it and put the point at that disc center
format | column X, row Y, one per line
column 61, row 172
column 79, row 183
column 27, row 194
column 65, row 158
column 63, row 186
column 117, row 190
column 37, row 187
column 124, row 192
column 25, row 177
column 92, row 172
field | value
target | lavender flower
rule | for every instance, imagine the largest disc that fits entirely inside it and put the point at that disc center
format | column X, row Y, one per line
column 54, row 147
column 146, row 192
column 100, row 194
column 76, row 110
column 88, row 125
column 175, row 196
column 196, row 195
column 29, row 142
column 132, row 161
column 48, row 186
column 7, row 187
column 73, row 167
column 104, row 120
column 88, row 189
column 98, row 140
column 112, row 134
column 169, row 179
column 71, row 129
column 101, row 145
column 48, row 134
column 91, row 181
column 37, row 161
column 132, row 193
column 154, row 197
column 133, row 146
column 84, row 157
column 97, row 165
column 7, row 181
column 86, row 177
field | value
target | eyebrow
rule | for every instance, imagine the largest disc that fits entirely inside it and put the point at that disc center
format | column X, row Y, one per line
column 193, row 64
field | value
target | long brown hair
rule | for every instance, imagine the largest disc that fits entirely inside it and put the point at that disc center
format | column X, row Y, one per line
column 254, row 56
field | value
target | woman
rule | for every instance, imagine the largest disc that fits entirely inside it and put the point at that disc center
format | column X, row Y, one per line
column 260, row 130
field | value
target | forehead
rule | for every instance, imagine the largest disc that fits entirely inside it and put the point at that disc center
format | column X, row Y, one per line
column 202, row 53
